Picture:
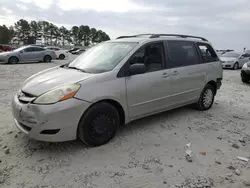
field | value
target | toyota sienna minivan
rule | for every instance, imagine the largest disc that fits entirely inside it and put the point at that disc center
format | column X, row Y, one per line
column 114, row 83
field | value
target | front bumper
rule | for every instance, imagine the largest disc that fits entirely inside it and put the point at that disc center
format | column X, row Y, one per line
column 3, row 59
column 227, row 65
column 53, row 123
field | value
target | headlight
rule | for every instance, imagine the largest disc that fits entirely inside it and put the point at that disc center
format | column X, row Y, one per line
column 59, row 94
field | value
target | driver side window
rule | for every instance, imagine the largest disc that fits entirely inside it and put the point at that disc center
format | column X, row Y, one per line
column 151, row 55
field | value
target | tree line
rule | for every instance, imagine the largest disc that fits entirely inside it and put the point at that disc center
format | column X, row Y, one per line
column 29, row 32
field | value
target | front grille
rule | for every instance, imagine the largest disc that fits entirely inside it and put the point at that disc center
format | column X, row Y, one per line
column 25, row 97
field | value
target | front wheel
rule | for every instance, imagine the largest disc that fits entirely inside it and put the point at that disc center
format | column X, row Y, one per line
column 13, row 60
column 244, row 80
column 236, row 66
column 206, row 98
column 99, row 124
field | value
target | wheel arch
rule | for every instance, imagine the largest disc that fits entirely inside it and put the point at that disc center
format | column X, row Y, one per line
column 14, row 57
column 117, row 106
column 213, row 83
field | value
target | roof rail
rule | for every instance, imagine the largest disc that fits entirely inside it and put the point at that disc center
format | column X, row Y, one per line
column 121, row 37
column 177, row 35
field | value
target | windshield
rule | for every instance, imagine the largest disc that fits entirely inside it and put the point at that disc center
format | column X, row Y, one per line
column 230, row 54
column 103, row 57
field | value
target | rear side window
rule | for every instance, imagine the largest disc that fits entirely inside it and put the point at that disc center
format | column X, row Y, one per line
column 182, row 53
column 37, row 49
column 207, row 53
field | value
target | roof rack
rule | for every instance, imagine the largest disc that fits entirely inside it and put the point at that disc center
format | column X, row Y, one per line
column 177, row 35
column 164, row 35
column 121, row 37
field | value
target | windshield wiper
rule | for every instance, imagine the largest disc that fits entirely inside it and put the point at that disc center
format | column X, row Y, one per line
column 82, row 70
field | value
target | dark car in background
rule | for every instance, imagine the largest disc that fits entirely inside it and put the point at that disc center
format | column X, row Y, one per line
column 245, row 72
column 77, row 52
column 73, row 49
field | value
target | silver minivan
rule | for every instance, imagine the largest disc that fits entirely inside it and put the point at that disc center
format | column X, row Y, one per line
column 114, row 83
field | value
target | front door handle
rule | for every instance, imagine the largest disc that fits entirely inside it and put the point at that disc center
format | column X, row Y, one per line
column 165, row 75
column 175, row 73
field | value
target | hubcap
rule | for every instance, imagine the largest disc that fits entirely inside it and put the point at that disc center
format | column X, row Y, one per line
column 235, row 66
column 101, row 127
column 208, row 98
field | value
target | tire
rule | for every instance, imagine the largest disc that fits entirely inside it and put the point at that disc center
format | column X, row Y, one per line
column 13, row 60
column 244, row 80
column 236, row 66
column 99, row 124
column 47, row 59
column 206, row 103
column 61, row 56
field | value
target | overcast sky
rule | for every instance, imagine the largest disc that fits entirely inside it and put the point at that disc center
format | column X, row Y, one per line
column 226, row 23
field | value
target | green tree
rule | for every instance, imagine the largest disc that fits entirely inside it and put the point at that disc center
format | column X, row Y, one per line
column 84, row 35
column 5, row 35
column 44, row 30
column 93, row 35
column 22, row 29
column 65, row 34
column 74, row 33
column 35, row 30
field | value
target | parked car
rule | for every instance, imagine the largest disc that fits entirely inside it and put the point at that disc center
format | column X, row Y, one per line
column 77, row 52
column 234, row 60
column 114, row 83
column 245, row 72
column 60, row 53
column 5, row 48
column 27, row 54
column 73, row 49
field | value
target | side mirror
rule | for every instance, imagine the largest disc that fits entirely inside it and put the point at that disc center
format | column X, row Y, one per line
column 241, row 57
column 21, row 51
column 137, row 68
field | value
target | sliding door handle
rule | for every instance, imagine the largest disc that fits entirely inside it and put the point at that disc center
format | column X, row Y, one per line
column 165, row 75
column 174, row 73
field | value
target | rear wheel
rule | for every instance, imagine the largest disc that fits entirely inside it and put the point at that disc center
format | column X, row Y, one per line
column 61, row 56
column 99, row 124
column 244, row 80
column 47, row 59
column 13, row 60
column 236, row 66
column 206, row 98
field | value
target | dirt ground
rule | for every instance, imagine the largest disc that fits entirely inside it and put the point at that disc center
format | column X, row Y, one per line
column 149, row 153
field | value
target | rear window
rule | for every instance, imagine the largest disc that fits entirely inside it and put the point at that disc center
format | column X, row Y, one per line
column 182, row 53
column 207, row 53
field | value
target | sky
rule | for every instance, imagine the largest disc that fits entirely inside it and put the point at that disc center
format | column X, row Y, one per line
column 226, row 23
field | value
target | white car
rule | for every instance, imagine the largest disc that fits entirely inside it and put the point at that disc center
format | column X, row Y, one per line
column 60, row 53
column 234, row 60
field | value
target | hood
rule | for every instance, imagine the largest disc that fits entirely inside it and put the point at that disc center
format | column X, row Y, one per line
column 5, row 53
column 228, row 58
column 51, row 78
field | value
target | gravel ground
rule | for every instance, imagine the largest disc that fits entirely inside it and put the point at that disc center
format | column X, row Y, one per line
column 148, row 153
